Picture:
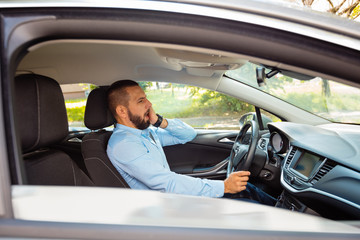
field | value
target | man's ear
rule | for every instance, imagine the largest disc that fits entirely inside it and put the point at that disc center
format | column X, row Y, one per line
column 121, row 111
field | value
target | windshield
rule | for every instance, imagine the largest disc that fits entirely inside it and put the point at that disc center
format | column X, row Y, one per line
column 328, row 99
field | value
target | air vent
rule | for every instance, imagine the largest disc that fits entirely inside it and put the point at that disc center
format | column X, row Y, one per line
column 323, row 170
column 291, row 155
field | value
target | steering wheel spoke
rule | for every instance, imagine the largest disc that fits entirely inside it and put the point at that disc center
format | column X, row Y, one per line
column 239, row 153
column 242, row 155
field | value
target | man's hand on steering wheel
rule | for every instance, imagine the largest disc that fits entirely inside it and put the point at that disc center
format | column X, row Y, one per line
column 236, row 182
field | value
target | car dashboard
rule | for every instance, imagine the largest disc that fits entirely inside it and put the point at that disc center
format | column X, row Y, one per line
column 321, row 168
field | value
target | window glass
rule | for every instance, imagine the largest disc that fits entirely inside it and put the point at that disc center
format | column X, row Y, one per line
column 198, row 107
column 269, row 116
column 328, row 99
column 75, row 96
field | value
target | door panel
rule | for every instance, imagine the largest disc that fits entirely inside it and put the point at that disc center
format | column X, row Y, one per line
column 205, row 156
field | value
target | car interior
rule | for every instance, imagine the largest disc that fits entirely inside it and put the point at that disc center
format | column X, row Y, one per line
column 52, row 157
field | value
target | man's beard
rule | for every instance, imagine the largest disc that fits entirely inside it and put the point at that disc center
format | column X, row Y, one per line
column 138, row 122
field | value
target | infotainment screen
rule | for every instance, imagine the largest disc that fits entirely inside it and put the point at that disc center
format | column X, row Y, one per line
column 307, row 164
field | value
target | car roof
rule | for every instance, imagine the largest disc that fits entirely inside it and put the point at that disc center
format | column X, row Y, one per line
column 266, row 13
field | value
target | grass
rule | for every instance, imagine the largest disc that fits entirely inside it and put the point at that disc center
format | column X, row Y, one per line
column 75, row 100
column 76, row 114
column 75, row 109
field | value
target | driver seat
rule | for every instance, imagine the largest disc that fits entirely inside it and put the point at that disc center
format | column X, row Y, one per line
column 94, row 144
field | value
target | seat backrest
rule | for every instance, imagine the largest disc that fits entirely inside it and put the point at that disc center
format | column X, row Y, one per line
column 42, row 121
column 94, row 144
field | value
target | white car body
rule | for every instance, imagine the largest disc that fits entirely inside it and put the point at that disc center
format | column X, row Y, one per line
column 93, row 212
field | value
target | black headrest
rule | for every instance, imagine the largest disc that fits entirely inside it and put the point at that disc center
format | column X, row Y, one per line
column 97, row 114
column 40, row 111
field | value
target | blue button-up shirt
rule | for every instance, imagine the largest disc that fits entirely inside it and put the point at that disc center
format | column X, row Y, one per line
column 142, row 163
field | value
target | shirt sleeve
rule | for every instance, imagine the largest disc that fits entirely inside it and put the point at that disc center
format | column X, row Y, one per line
column 154, row 175
column 177, row 132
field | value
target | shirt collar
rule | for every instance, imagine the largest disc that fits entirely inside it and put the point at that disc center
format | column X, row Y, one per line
column 134, row 131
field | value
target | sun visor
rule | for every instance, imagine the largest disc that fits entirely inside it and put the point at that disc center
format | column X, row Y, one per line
column 199, row 64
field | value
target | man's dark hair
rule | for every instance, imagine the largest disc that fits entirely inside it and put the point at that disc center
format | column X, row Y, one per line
column 117, row 94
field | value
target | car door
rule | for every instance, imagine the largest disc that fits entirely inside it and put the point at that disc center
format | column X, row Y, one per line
column 205, row 156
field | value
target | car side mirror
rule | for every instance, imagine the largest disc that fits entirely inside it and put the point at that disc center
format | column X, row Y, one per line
column 252, row 116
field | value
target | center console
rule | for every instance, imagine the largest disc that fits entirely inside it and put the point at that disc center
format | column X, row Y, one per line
column 301, row 171
column 285, row 200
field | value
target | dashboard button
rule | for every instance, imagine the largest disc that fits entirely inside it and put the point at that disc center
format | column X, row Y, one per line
column 292, row 180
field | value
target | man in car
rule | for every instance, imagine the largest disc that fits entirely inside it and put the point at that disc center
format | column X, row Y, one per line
column 135, row 149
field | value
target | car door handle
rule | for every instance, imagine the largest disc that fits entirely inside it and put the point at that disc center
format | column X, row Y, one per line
column 219, row 168
column 226, row 141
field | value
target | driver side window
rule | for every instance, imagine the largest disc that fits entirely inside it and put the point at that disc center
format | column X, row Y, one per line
column 200, row 108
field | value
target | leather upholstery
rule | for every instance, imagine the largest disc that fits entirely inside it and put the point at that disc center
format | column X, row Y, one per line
column 54, row 167
column 41, row 111
column 97, row 114
column 99, row 166
column 42, row 121
column 94, row 144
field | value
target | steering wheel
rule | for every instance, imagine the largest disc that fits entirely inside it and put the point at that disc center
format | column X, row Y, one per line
column 242, row 155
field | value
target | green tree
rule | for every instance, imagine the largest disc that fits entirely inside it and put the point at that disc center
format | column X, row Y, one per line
column 345, row 8
column 144, row 85
column 214, row 103
column 356, row 12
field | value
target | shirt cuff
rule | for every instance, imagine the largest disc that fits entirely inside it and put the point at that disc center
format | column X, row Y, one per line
column 219, row 188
